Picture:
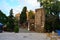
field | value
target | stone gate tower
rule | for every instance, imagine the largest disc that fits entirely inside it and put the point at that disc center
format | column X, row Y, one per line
column 39, row 20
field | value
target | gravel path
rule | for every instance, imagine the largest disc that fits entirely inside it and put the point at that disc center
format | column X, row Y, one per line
column 21, row 30
column 23, row 36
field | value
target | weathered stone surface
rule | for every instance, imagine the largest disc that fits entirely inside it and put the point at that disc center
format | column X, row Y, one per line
column 39, row 20
column 23, row 36
column 17, row 16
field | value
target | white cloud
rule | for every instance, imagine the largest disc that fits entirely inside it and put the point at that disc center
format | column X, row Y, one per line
column 5, row 7
column 17, row 10
column 31, row 4
column 12, row 0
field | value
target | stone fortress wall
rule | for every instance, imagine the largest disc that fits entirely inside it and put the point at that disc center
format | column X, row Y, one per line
column 39, row 20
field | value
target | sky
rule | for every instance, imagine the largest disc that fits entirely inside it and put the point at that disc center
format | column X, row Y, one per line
column 17, row 5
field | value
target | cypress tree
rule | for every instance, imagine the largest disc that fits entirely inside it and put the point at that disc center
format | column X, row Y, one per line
column 10, row 23
column 23, row 16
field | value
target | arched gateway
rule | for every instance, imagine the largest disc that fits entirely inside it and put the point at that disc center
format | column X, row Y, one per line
column 39, row 20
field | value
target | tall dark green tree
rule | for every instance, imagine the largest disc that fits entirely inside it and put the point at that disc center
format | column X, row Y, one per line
column 10, row 23
column 3, row 18
column 23, row 16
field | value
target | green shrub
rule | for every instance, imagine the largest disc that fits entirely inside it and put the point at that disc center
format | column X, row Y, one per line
column 48, row 28
column 16, row 29
column 57, row 27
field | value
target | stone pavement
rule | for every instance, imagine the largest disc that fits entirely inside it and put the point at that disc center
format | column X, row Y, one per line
column 21, row 30
column 23, row 36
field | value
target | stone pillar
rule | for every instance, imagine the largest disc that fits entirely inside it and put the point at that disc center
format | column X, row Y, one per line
column 39, row 20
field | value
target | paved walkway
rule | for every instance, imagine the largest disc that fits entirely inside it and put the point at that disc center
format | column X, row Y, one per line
column 21, row 30
column 23, row 36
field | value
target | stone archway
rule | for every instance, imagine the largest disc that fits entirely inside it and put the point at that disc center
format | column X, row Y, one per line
column 39, row 20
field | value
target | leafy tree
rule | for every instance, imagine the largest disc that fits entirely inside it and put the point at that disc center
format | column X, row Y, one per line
column 23, row 16
column 48, row 5
column 52, row 8
column 10, row 23
column 3, row 18
column 31, row 14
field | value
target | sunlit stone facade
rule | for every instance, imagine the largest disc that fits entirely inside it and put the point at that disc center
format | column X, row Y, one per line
column 17, row 16
column 39, row 20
